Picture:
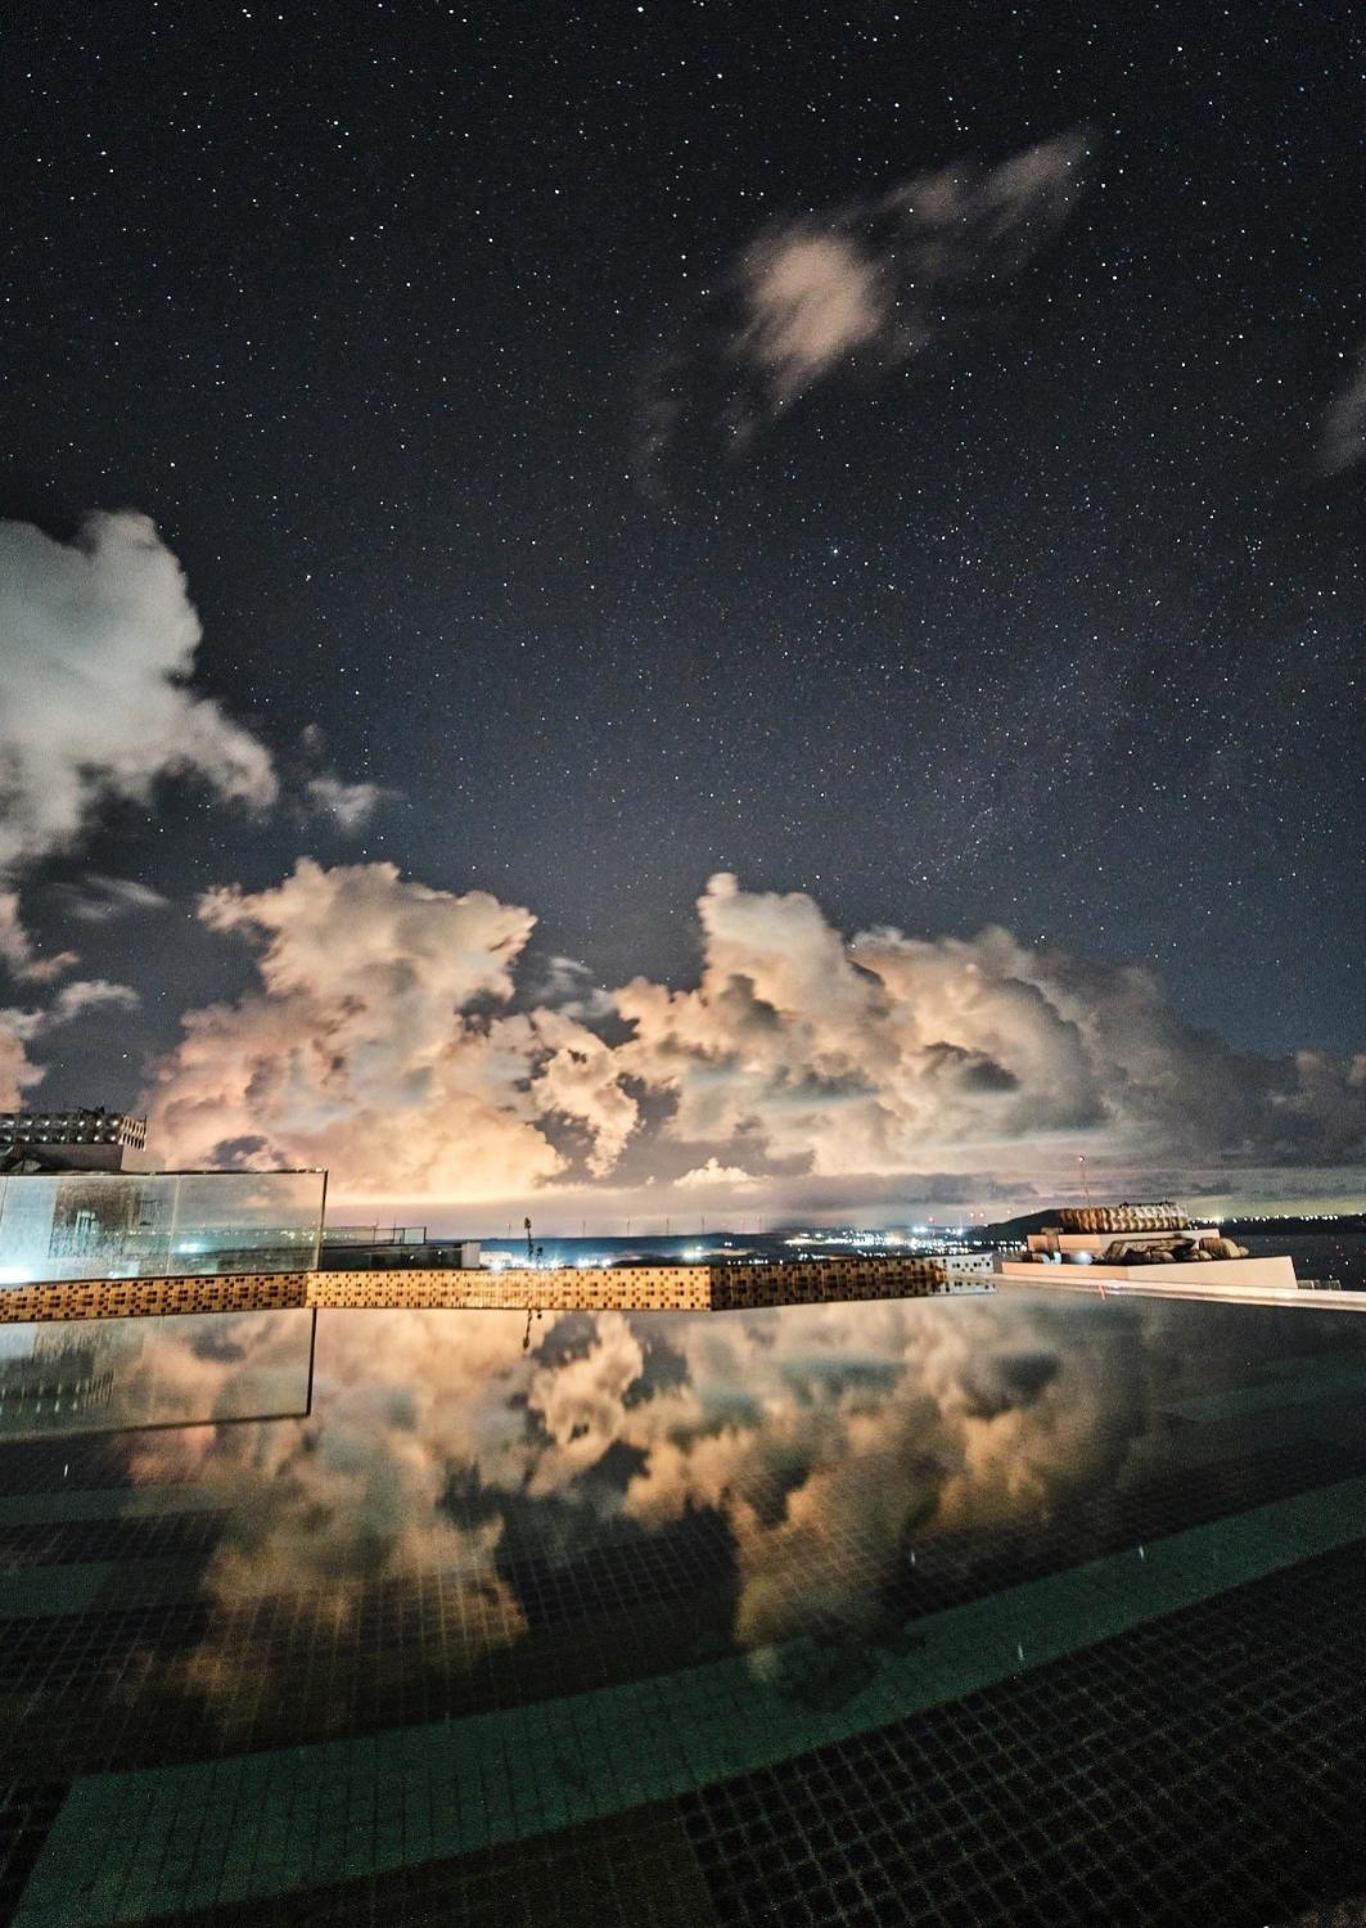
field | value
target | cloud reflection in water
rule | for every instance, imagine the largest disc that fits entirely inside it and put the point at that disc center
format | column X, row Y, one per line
column 831, row 1441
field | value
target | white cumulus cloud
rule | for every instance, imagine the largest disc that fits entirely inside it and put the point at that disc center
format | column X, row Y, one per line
column 376, row 1044
column 97, row 643
column 384, row 1039
column 702, row 1177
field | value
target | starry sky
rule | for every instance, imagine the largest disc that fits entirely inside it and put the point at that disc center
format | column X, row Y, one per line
column 419, row 333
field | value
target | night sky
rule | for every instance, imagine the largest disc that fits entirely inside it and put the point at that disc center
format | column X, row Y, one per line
column 418, row 333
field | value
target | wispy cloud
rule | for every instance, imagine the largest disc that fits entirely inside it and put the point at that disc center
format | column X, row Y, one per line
column 89, row 994
column 567, row 984
column 18, row 953
column 97, row 899
column 1342, row 441
column 350, row 805
column 71, row 1002
column 869, row 285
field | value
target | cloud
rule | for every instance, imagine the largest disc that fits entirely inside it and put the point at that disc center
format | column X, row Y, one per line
column 578, row 1077
column 703, row 1176
column 868, row 285
column 97, row 899
column 71, row 1002
column 89, row 994
column 376, row 1045
column 811, row 300
column 350, row 805
column 17, row 952
column 570, row 986
column 20, row 1028
column 861, row 1056
column 1342, row 442
column 383, row 1040
column 17, row 1070
column 97, row 643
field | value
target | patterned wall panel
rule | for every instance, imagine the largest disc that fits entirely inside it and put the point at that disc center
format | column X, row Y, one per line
column 644, row 1288
column 145, row 1298
column 824, row 1281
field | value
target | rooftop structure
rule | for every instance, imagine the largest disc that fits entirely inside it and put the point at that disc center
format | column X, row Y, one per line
column 84, row 1126
column 1152, row 1244
column 86, row 1139
column 1161, row 1217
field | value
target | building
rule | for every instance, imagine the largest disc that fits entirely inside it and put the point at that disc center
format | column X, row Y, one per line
column 82, row 1140
column 1146, row 1244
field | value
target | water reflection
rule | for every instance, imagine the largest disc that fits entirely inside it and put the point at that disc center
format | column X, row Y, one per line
column 786, row 1480
column 117, row 1374
column 828, row 1444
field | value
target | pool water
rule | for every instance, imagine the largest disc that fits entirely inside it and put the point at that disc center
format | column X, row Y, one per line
column 1023, row 1608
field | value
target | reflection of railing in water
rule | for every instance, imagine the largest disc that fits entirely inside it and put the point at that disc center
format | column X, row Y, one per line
column 26, row 1399
column 1315, row 1294
column 122, row 1375
column 652, row 1288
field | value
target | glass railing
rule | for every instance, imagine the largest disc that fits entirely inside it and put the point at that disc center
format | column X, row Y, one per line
column 130, row 1225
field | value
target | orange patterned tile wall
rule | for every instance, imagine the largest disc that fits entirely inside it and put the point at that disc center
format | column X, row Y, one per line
column 823, row 1281
column 662, row 1288
column 644, row 1288
column 145, row 1298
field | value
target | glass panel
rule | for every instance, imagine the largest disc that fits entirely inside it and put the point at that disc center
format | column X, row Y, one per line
column 108, row 1375
column 125, row 1225
column 248, row 1222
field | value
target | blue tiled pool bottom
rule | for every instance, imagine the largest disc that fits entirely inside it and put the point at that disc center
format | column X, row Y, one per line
column 1045, row 1614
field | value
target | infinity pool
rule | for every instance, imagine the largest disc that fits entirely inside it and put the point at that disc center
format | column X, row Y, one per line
column 1020, row 1608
